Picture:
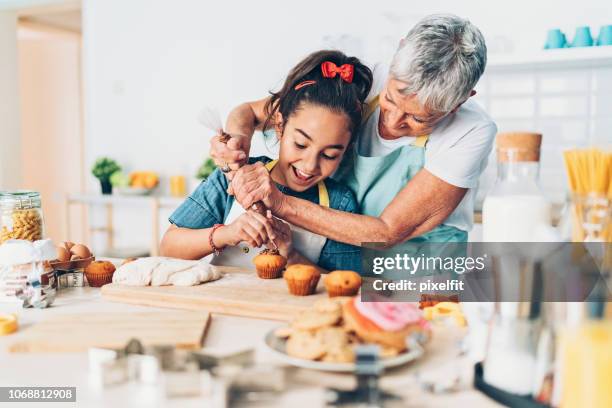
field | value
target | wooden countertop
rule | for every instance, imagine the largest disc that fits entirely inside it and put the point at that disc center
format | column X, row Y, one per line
column 227, row 333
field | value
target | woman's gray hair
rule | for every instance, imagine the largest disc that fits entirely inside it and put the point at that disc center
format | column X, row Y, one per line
column 441, row 60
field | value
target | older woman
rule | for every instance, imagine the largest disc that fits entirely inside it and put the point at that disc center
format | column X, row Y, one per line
column 419, row 153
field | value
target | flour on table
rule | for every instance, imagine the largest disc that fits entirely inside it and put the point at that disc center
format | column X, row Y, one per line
column 160, row 271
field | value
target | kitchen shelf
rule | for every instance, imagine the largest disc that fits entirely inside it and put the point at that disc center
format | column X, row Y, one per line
column 153, row 203
column 582, row 57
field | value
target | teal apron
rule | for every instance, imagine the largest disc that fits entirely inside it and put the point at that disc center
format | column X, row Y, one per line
column 377, row 180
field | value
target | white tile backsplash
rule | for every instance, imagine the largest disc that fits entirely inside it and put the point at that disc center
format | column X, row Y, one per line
column 602, row 79
column 563, row 106
column 602, row 105
column 513, row 84
column 511, row 107
column 564, row 81
column 571, row 107
column 601, row 133
column 563, row 133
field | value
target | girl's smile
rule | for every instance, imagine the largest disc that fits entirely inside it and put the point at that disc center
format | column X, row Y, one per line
column 301, row 176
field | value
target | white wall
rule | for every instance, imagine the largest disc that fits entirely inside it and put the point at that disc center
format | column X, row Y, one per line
column 10, row 146
column 150, row 66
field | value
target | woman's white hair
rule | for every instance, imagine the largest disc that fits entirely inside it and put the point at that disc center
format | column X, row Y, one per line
column 440, row 60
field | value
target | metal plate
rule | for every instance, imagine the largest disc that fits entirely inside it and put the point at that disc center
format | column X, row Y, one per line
column 278, row 347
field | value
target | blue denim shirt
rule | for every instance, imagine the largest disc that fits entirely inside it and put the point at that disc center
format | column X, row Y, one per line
column 210, row 204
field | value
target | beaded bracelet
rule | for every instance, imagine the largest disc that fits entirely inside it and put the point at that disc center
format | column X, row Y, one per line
column 215, row 249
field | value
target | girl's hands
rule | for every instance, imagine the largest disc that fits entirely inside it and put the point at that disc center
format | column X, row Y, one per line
column 252, row 183
column 257, row 230
column 250, row 227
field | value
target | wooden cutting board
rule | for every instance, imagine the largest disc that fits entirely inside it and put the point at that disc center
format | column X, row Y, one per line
column 78, row 332
column 240, row 292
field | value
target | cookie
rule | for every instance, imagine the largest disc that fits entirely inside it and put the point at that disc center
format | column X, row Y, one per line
column 283, row 332
column 343, row 354
column 327, row 306
column 313, row 319
column 333, row 337
column 306, row 345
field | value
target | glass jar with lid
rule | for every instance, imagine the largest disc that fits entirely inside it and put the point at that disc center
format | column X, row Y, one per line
column 516, row 210
column 21, row 216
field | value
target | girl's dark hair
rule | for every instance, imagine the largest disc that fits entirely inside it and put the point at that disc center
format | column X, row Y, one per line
column 332, row 93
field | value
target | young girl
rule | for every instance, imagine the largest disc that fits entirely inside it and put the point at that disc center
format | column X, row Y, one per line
column 314, row 116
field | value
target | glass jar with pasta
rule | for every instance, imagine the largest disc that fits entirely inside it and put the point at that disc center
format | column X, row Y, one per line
column 21, row 216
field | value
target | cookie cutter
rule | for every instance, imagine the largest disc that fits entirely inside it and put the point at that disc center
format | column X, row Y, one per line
column 36, row 295
column 209, row 361
column 256, row 384
column 368, row 371
column 176, row 370
column 69, row 278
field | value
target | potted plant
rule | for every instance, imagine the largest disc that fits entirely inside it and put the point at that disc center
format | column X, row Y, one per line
column 206, row 169
column 102, row 169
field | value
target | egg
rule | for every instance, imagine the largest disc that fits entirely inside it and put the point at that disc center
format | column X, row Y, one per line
column 63, row 254
column 81, row 251
column 67, row 244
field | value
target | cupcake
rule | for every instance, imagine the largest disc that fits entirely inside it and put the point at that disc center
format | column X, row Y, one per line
column 269, row 264
column 99, row 273
column 342, row 283
column 302, row 279
column 387, row 324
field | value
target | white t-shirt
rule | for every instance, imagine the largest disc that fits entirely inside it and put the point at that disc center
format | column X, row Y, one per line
column 456, row 152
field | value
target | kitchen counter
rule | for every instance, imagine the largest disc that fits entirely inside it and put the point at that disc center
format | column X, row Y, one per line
column 224, row 333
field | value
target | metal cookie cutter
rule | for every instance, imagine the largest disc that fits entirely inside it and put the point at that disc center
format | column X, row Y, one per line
column 36, row 295
column 177, row 370
column 69, row 279
column 368, row 371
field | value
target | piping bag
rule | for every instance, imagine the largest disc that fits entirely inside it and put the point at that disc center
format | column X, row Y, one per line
column 211, row 119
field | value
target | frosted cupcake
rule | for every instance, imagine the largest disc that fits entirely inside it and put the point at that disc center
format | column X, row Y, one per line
column 269, row 264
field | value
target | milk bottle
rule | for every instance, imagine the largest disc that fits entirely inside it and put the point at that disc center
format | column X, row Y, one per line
column 515, row 210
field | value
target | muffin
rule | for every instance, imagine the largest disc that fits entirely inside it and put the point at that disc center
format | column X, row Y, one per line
column 99, row 273
column 269, row 264
column 387, row 324
column 302, row 279
column 342, row 283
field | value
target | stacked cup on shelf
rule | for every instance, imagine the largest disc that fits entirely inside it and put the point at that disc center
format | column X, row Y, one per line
column 582, row 38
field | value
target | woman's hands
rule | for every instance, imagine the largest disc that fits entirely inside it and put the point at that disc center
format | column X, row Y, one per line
column 234, row 153
column 253, row 183
column 283, row 237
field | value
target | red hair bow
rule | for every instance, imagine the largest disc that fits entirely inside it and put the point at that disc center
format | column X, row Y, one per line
column 330, row 70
